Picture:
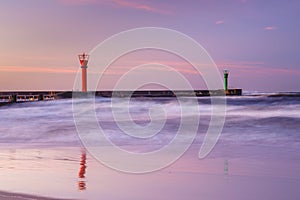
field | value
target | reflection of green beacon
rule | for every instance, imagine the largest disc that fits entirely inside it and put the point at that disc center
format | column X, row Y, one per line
column 225, row 80
column 226, row 167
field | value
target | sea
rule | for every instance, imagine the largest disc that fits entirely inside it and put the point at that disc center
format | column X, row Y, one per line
column 269, row 119
column 256, row 156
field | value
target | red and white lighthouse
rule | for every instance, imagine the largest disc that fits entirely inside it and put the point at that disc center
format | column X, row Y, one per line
column 84, row 58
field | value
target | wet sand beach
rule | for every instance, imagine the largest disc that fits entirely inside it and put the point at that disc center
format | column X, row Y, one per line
column 67, row 173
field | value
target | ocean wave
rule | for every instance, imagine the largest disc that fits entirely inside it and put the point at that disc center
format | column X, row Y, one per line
column 268, row 117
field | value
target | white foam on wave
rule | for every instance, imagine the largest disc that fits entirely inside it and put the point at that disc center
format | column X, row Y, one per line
column 52, row 122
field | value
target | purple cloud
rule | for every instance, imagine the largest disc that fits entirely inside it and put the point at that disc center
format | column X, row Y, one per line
column 137, row 5
column 219, row 22
column 270, row 28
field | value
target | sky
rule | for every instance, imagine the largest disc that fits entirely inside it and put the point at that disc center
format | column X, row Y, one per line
column 257, row 41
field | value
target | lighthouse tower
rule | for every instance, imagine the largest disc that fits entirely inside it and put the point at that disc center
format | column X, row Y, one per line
column 84, row 58
column 225, row 79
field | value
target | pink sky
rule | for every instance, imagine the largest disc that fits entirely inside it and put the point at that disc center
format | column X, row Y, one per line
column 258, row 43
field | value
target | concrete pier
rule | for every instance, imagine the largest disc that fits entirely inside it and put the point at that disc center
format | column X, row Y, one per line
column 29, row 96
column 169, row 93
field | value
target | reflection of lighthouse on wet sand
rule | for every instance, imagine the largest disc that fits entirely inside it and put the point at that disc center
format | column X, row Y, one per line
column 81, row 173
column 84, row 58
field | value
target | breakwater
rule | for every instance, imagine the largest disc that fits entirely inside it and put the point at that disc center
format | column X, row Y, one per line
column 27, row 96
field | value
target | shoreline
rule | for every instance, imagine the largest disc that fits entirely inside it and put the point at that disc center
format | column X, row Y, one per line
column 4, row 195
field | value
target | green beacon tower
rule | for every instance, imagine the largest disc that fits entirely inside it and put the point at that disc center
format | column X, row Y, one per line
column 225, row 79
